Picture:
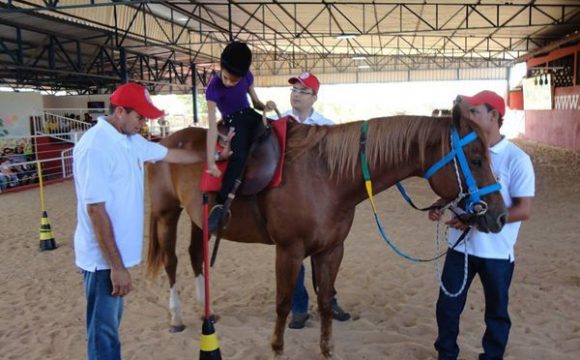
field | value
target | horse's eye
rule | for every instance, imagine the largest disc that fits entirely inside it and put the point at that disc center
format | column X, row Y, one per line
column 476, row 162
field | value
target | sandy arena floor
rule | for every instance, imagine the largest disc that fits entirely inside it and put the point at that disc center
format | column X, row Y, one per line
column 391, row 299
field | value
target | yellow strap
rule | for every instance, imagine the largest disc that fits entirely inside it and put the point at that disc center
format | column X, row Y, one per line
column 369, row 186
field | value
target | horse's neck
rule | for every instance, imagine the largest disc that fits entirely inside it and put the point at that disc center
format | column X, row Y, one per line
column 353, row 191
column 385, row 175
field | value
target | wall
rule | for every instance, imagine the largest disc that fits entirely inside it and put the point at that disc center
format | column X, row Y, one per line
column 16, row 110
column 72, row 102
column 561, row 126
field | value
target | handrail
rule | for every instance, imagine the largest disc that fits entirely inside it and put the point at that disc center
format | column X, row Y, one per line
column 67, row 162
column 59, row 127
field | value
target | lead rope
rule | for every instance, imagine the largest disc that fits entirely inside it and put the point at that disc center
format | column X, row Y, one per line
column 438, row 273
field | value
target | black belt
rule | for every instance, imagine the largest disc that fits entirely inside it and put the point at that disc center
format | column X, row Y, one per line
column 236, row 114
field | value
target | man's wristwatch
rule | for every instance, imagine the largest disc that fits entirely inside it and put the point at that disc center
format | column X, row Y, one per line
column 217, row 155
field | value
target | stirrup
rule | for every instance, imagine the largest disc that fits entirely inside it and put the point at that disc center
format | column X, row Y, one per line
column 218, row 218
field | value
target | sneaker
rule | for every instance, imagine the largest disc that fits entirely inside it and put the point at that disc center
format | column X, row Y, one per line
column 298, row 320
column 215, row 217
column 339, row 314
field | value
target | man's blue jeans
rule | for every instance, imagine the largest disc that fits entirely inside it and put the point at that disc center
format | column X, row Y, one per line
column 300, row 296
column 104, row 313
column 496, row 276
column 3, row 182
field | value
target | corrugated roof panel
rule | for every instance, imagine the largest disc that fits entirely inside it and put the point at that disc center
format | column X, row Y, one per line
column 338, row 78
column 483, row 74
column 433, row 75
column 272, row 80
column 393, row 76
column 382, row 77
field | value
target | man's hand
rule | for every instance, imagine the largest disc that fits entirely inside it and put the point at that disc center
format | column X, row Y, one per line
column 457, row 224
column 121, row 280
column 270, row 105
column 435, row 214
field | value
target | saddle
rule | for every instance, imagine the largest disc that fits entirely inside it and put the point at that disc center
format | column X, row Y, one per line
column 264, row 165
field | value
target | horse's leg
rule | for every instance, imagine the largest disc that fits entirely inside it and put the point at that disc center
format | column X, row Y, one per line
column 196, row 256
column 287, row 268
column 167, row 233
column 325, row 266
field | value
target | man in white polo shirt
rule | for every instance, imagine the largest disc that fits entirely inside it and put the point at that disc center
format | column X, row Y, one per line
column 109, row 180
column 491, row 256
column 304, row 95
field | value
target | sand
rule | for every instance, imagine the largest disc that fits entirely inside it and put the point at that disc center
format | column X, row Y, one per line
column 391, row 300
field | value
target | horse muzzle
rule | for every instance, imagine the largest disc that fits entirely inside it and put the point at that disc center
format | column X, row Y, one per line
column 490, row 221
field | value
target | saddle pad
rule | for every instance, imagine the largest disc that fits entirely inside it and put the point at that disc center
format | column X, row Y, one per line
column 209, row 183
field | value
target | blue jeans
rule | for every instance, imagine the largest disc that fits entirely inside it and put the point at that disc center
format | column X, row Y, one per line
column 496, row 276
column 104, row 314
column 3, row 182
column 300, row 295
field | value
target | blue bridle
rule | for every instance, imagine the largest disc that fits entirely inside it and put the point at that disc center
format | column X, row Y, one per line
column 474, row 204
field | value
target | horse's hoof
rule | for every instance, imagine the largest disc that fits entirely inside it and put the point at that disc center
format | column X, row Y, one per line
column 176, row 328
column 277, row 350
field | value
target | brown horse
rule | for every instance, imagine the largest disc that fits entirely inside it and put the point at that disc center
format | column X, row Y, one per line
column 321, row 187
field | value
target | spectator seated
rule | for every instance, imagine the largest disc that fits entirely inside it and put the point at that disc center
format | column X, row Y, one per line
column 8, row 179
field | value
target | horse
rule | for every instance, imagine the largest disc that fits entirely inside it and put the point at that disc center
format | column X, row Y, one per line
column 322, row 184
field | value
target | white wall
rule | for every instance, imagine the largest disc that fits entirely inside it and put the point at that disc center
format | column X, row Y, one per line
column 72, row 102
column 16, row 110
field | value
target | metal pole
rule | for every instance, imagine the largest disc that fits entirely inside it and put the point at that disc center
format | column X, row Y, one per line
column 123, row 65
column 194, row 93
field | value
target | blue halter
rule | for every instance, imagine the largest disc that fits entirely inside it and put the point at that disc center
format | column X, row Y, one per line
column 456, row 152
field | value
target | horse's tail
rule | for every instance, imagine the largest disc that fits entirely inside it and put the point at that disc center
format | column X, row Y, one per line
column 154, row 253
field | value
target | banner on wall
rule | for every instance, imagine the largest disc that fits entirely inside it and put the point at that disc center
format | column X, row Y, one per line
column 567, row 98
column 12, row 133
column 14, row 125
column 538, row 92
column 16, row 110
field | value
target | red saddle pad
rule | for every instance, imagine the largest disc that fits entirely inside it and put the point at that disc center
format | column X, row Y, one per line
column 210, row 183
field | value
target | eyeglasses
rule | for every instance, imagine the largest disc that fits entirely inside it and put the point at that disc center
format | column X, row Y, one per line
column 301, row 91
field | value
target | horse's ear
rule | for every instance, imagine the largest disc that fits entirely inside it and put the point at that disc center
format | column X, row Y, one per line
column 456, row 115
column 460, row 112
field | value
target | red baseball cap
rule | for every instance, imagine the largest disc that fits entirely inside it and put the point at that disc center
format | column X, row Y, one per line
column 486, row 97
column 308, row 80
column 136, row 97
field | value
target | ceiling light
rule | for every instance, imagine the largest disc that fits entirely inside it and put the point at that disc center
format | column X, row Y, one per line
column 364, row 67
column 346, row 36
column 359, row 58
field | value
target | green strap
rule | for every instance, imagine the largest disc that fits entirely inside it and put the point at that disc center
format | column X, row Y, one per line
column 363, row 153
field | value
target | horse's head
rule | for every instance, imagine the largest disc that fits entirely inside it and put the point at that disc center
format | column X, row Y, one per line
column 464, row 174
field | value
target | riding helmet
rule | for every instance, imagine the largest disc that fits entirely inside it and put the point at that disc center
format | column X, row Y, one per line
column 236, row 58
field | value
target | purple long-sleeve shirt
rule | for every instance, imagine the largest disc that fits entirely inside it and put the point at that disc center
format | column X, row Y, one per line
column 229, row 99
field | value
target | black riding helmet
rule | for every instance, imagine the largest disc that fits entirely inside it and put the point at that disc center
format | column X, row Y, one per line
column 236, row 58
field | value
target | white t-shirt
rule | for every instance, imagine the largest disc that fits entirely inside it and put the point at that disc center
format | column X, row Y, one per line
column 514, row 171
column 315, row 118
column 108, row 167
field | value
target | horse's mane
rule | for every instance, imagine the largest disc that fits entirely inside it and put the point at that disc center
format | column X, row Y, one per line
column 390, row 141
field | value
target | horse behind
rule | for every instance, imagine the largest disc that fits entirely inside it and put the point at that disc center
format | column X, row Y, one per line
column 321, row 187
